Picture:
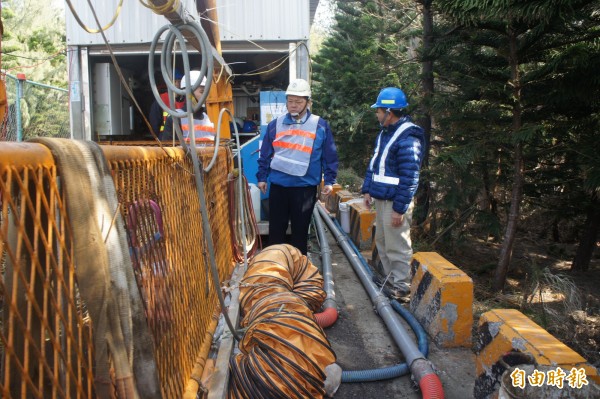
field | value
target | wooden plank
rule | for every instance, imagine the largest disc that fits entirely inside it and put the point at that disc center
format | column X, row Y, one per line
column 219, row 382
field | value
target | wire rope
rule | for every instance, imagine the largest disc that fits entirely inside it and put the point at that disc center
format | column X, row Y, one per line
column 129, row 91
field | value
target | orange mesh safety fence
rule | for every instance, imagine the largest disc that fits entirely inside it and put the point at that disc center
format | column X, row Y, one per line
column 45, row 339
column 158, row 200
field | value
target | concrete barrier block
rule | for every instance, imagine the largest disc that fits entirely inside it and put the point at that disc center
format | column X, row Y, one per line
column 331, row 204
column 335, row 188
column 362, row 220
column 506, row 333
column 442, row 299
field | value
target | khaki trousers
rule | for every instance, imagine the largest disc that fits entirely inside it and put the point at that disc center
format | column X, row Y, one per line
column 394, row 244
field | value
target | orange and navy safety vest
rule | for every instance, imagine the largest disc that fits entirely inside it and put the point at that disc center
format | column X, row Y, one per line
column 178, row 105
column 204, row 129
column 293, row 145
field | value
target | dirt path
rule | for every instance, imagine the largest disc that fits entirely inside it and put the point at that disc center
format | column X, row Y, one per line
column 361, row 341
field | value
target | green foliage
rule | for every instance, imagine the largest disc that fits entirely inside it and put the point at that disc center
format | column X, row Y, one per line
column 48, row 112
column 365, row 52
column 349, row 179
column 557, row 51
column 34, row 41
column 476, row 102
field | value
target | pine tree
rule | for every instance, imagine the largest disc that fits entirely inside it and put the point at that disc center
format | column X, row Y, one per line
column 34, row 41
column 364, row 54
column 499, row 64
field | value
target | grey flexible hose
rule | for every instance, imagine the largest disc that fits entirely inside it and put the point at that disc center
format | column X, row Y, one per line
column 206, row 70
column 166, row 66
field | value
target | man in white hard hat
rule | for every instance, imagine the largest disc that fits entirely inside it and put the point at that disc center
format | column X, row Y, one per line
column 297, row 151
column 204, row 129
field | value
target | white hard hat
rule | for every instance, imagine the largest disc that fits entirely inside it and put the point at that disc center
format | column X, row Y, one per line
column 194, row 76
column 298, row 87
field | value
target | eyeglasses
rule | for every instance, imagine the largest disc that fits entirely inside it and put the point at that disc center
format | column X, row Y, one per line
column 295, row 102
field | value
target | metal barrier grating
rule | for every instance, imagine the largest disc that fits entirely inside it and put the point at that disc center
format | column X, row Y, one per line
column 158, row 200
column 45, row 340
column 46, row 346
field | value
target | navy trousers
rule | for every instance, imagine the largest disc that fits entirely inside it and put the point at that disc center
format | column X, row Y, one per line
column 293, row 204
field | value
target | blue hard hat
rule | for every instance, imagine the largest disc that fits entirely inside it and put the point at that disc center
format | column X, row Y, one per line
column 249, row 126
column 178, row 74
column 392, row 98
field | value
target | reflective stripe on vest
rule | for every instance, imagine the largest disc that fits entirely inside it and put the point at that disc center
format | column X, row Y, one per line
column 381, row 177
column 178, row 105
column 293, row 146
column 165, row 116
column 203, row 129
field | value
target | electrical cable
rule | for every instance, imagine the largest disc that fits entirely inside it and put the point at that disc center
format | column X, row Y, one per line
column 57, row 54
column 252, row 242
column 206, row 70
column 130, row 92
column 100, row 28
column 228, row 31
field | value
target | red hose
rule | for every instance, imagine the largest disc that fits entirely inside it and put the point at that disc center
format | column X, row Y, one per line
column 327, row 317
column 238, row 254
column 431, row 387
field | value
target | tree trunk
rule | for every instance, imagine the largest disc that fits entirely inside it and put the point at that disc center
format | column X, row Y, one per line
column 492, row 203
column 588, row 240
column 427, row 82
column 517, row 188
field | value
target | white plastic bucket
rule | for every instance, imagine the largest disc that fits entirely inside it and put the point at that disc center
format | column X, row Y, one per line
column 255, row 195
column 345, row 216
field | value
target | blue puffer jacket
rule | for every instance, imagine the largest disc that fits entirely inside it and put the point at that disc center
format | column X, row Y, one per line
column 401, row 167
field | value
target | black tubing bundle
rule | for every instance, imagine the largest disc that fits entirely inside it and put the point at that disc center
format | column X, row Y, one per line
column 284, row 351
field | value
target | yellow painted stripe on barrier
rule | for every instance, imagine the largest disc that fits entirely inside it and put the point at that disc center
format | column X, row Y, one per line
column 501, row 331
column 333, row 200
column 344, row 195
column 442, row 299
column 361, row 224
column 331, row 197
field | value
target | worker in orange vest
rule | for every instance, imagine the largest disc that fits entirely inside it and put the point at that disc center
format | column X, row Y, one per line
column 204, row 129
column 157, row 116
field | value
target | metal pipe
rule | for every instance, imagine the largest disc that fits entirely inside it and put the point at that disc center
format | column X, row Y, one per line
column 20, row 81
column 381, row 302
column 31, row 82
column 328, row 283
column 420, row 368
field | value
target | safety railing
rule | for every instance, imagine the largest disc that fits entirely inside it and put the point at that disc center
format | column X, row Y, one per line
column 33, row 110
column 45, row 338
column 159, row 201
column 46, row 346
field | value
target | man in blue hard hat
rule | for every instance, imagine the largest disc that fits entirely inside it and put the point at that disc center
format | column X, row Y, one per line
column 297, row 151
column 391, row 182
